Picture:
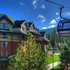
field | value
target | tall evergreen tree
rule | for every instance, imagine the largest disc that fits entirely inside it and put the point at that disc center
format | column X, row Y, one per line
column 29, row 55
column 65, row 55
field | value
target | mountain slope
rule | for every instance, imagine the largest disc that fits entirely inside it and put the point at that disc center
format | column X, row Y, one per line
column 49, row 31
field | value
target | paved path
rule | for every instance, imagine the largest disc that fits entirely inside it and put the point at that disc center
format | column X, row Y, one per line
column 55, row 64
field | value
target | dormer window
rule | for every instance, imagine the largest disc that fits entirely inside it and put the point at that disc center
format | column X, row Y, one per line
column 24, row 29
column 4, row 26
column 32, row 29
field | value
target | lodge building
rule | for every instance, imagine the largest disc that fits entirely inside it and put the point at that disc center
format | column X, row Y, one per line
column 12, row 32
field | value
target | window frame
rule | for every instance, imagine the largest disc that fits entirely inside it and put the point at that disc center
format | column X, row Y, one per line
column 4, row 26
column 4, row 44
column 2, row 54
column 6, row 53
column 4, row 35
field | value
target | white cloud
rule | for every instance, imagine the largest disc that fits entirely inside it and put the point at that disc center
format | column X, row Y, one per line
column 43, row 6
column 52, row 26
column 57, row 13
column 53, row 21
column 57, row 18
column 21, row 3
column 35, row 3
column 44, row 28
column 43, row 19
column 66, row 14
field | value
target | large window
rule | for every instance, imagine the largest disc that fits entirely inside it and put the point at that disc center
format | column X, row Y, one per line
column 3, row 36
column 1, row 53
column 24, row 29
column 1, row 44
column 4, row 44
column 4, row 26
column 6, row 53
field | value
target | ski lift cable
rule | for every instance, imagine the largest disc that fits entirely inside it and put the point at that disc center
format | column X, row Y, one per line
column 58, row 4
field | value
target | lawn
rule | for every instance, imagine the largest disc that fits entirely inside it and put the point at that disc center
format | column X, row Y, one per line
column 49, row 60
column 56, row 67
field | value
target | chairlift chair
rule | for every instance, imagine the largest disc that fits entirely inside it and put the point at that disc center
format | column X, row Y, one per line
column 63, row 27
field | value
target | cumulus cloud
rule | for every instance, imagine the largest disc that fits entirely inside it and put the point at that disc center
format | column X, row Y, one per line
column 57, row 13
column 43, row 19
column 43, row 6
column 44, row 28
column 35, row 3
column 53, row 21
column 52, row 26
column 21, row 3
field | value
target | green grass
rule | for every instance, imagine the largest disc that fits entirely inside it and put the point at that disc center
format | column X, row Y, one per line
column 49, row 60
column 56, row 67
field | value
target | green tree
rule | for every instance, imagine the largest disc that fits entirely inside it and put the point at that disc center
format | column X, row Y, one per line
column 29, row 55
column 65, row 55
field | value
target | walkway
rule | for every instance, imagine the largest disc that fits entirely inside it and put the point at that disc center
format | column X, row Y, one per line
column 55, row 64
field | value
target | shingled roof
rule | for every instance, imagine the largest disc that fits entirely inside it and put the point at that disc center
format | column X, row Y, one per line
column 11, row 19
column 30, row 23
column 18, row 23
column 42, row 33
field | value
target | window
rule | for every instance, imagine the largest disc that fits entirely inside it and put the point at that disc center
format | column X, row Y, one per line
column 24, row 29
column 6, row 53
column 4, row 26
column 1, row 44
column 3, row 36
column 1, row 53
column 4, row 44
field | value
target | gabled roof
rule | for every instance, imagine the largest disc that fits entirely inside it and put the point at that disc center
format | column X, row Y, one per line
column 30, row 23
column 42, row 33
column 18, row 23
column 8, row 18
column 37, row 29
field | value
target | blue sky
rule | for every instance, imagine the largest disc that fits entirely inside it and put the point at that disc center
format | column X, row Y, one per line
column 43, row 14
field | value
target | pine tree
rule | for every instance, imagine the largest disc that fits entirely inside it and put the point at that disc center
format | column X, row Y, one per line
column 65, row 55
column 29, row 55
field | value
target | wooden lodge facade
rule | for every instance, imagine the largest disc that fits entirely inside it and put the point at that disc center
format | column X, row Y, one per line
column 12, row 32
